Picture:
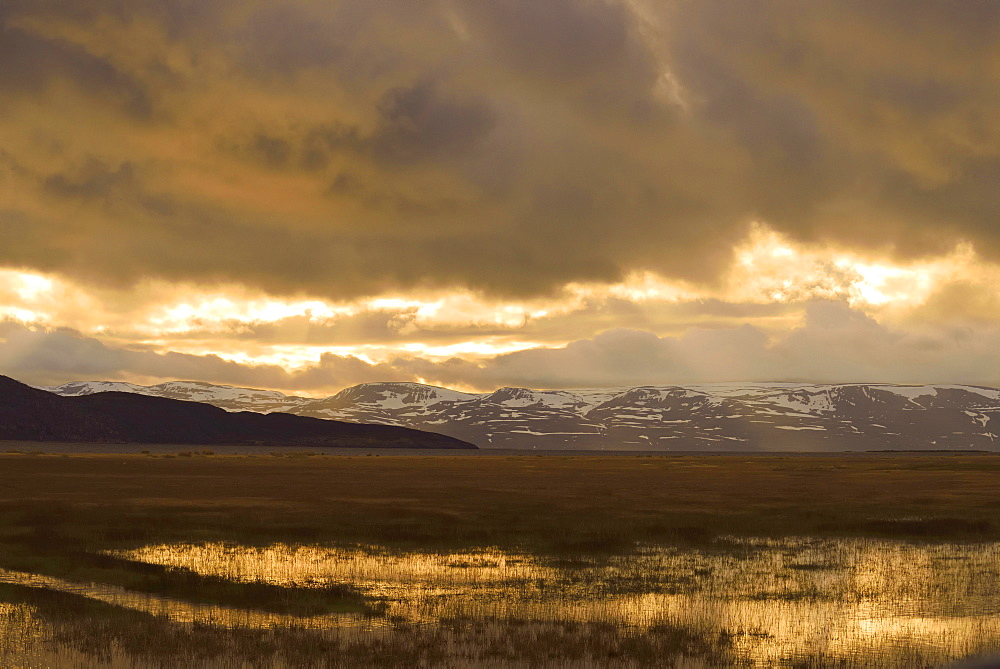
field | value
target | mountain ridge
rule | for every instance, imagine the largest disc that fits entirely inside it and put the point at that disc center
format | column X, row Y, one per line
column 718, row 416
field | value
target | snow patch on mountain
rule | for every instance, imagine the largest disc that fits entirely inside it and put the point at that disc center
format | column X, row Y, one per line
column 227, row 397
column 76, row 389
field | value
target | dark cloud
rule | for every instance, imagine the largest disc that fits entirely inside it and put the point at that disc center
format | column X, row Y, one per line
column 558, row 40
column 418, row 124
column 287, row 38
column 586, row 53
column 95, row 180
column 350, row 148
column 33, row 63
column 865, row 122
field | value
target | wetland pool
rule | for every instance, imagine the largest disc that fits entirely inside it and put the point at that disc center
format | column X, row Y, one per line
column 752, row 602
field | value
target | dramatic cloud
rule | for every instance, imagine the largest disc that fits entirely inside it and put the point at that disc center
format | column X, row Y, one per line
column 867, row 122
column 351, row 148
column 482, row 192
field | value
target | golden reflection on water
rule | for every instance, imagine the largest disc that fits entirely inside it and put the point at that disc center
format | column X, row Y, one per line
column 177, row 610
column 857, row 602
column 23, row 644
column 20, row 630
column 397, row 577
column 849, row 599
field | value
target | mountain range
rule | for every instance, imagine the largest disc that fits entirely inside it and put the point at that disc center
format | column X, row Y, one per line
column 31, row 414
column 707, row 417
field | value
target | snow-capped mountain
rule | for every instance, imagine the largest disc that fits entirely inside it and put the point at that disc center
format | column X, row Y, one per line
column 225, row 397
column 772, row 416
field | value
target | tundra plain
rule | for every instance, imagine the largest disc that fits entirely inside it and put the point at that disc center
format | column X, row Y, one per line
column 300, row 559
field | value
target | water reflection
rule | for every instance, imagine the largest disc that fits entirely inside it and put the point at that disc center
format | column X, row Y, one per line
column 772, row 603
column 778, row 599
column 176, row 610
column 23, row 642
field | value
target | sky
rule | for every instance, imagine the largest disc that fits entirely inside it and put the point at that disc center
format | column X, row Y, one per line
column 309, row 194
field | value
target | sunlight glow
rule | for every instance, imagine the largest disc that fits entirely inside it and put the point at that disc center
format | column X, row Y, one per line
column 33, row 285
column 248, row 327
column 23, row 296
column 211, row 312
column 468, row 349
column 637, row 287
column 769, row 268
column 25, row 316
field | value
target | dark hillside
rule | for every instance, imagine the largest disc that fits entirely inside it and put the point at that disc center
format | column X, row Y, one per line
column 30, row 414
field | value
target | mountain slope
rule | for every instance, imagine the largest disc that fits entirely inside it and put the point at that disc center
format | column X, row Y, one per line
column 747, row 417
column 225, row 397
column 35, row 415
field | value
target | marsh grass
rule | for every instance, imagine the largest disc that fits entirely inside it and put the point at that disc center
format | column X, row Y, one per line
column 116, row 635
column 885, row 603
column 571, row 613
column 183, row 583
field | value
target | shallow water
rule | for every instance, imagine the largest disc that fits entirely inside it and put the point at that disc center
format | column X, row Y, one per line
column 773, row 603
column 171, row 608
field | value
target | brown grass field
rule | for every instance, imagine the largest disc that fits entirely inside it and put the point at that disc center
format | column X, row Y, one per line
column 541, row 503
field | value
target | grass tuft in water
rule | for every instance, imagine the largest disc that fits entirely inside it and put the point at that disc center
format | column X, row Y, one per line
column 186, row 584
